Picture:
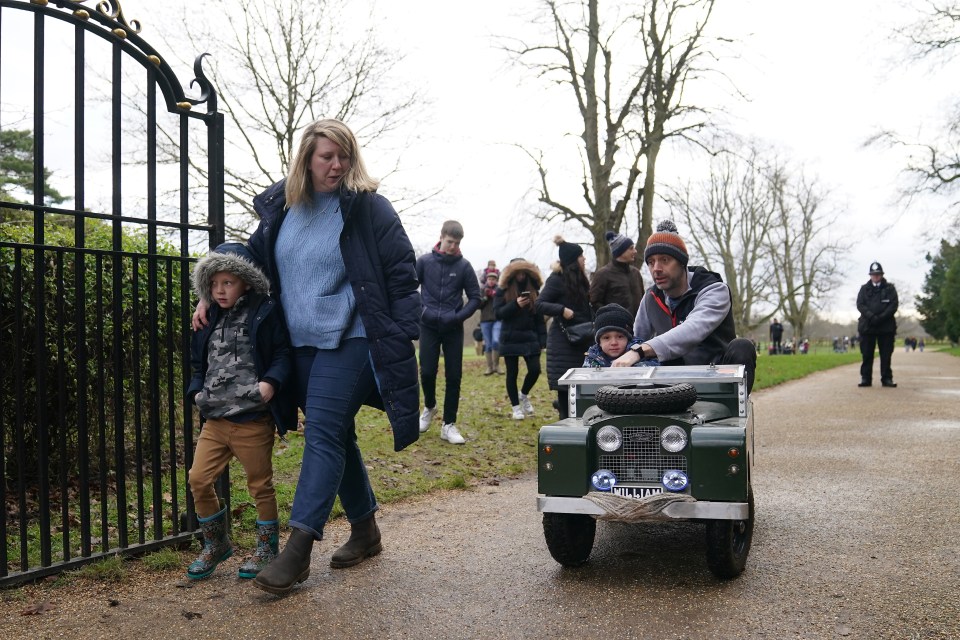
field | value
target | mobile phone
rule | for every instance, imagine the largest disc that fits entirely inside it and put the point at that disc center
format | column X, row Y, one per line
column 524, row 294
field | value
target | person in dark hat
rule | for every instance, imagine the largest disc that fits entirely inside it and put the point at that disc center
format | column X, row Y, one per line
column 686, row 317
column 618, row 281
column 614, row 336
column 566, row 298
column 877, row 303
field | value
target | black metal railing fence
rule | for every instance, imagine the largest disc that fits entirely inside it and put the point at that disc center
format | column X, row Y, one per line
column 95, row 436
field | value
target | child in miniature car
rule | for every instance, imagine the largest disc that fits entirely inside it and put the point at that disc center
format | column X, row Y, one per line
column 614, row 336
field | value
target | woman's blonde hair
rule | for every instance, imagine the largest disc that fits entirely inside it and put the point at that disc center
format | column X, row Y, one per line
column 299, row 187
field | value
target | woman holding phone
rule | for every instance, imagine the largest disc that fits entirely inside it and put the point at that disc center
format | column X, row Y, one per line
column 522, row 330
column 566, row 298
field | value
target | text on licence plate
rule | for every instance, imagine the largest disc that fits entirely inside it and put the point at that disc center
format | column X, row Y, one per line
column 636, row 492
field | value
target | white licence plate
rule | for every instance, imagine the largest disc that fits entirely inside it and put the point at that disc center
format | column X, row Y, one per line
column 636, row 492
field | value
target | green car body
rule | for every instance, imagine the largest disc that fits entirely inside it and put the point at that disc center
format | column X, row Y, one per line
column 716, row 459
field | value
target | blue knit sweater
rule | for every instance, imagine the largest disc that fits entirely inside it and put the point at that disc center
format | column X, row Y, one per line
column 315, row 293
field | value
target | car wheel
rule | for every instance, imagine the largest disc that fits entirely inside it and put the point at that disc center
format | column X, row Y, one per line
column 728, row 543
column 646, row 398
column 569, row 537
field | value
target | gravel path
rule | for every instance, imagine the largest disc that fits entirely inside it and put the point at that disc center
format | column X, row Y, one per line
column 858, row 509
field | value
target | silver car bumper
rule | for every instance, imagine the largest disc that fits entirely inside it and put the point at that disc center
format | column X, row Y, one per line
column 699, row 510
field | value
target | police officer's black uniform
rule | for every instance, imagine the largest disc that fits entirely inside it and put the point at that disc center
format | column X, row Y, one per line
column 877, row 303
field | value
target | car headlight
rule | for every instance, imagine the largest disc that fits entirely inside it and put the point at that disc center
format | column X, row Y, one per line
column 609, row 438
column 603, row 479
column 675, row 480
column 673, row 439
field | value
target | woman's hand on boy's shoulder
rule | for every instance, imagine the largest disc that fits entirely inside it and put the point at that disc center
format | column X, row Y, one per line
column 266, row 390
column 199, row 319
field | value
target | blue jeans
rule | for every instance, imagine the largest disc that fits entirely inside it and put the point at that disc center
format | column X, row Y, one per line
column 491, row 335
column 332, row 385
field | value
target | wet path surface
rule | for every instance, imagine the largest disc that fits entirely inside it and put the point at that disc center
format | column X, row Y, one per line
column 858, row 522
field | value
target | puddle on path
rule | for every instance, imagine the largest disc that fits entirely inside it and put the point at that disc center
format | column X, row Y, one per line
column 944, row 392
column 941, row 425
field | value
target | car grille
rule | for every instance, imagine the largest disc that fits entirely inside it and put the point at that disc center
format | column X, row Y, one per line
column 641, row 459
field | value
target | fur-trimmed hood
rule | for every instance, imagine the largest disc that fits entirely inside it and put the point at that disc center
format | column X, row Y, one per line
column 231, row 257
column 511, row 270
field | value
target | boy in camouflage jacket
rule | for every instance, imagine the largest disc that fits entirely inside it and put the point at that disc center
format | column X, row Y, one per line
column 242, row 363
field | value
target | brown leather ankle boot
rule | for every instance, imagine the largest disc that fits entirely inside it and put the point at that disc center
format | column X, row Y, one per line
column 364, row 543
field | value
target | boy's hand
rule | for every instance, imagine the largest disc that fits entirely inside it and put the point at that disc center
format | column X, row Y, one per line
column 199, row 320
column 628, row 359
column 266, row 390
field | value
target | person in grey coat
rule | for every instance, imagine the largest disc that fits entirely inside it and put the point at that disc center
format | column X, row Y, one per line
column 686, row 317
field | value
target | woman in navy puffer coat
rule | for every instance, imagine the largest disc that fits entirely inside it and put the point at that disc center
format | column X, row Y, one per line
column 344, row 270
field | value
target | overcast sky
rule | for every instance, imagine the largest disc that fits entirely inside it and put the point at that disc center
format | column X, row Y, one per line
column 821, row 77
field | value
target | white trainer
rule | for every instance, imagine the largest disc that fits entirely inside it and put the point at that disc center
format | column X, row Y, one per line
column 426, row 416
column 451, row 434
column 525, row 403
column 518, row 412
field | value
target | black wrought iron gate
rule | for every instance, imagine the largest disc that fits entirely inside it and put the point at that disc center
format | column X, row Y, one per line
column 99, row 216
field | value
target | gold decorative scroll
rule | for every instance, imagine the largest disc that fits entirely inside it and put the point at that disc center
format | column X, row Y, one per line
column 112, row 9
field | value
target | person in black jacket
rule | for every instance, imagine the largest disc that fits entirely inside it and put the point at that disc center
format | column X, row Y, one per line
column 241, row 363
column 776, row 336
column 445, row 277
column 566, row 298
column 340, row 261
column 523, row 333
column 877, row 303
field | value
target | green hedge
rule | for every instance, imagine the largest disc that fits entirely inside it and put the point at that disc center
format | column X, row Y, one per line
column 72, row 349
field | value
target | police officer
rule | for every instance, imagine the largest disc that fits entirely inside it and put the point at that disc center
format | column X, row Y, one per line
column 877, row 303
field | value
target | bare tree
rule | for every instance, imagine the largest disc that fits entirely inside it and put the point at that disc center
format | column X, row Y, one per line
column 932, row 167
column 805, row 259
column 730, row 217
column 277, row 66
column 627, row 96
column 674, row 61
column 937, row 31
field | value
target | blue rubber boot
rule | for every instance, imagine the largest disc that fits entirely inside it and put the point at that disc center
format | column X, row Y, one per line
column 216, row 545
column 268, row 546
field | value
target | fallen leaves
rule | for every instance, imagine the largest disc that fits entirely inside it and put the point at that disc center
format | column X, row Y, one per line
column 37, row 608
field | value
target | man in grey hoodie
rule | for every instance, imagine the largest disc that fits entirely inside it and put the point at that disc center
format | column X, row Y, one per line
column 686, row 316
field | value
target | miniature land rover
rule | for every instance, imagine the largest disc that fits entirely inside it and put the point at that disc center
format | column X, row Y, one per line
column 647, row 444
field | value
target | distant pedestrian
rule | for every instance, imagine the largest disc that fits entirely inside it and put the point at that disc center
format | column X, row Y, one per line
column 920, row 345
column 776, row 336
column 489, row 325
column 877, row 303
column 523, row 333
column 445, row 278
